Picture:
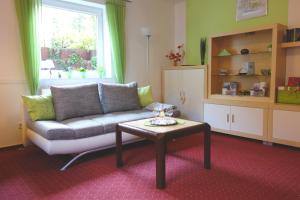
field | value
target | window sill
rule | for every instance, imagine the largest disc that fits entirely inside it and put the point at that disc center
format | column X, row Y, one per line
column 46, row 83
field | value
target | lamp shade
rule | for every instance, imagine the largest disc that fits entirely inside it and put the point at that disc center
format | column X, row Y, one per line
column 146, row 31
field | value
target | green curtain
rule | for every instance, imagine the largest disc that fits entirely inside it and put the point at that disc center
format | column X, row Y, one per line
column 28, row 12
column 115, row 10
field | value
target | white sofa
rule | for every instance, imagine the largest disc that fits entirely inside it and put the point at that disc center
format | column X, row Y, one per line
column 80, row 135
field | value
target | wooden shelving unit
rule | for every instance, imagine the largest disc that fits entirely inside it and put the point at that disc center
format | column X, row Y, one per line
column 257, row 41
column 290, row 44
column 259, row 118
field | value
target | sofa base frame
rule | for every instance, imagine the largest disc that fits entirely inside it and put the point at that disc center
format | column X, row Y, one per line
column 68, row 164
column 78, row 147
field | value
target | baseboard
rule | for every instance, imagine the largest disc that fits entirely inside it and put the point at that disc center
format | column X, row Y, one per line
column 17, row 146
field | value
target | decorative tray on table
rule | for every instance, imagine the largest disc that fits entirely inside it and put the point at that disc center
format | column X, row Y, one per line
column 162, row 121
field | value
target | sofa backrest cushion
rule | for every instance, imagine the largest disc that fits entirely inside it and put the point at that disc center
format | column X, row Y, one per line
column 119, row 97
column 76, row 101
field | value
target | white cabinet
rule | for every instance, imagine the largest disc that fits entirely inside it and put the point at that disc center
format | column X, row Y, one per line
column 185, row 88
column 234, row 119
column 247, row 120
column 172, row 87
column 217, row 116
column 286, row 126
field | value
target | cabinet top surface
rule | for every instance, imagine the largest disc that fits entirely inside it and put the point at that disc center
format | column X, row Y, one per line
column 184, row 67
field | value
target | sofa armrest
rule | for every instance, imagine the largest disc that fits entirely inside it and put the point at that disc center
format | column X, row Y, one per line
column 25, row 120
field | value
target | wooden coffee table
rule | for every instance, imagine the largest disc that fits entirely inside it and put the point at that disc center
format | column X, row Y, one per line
column 161, row 135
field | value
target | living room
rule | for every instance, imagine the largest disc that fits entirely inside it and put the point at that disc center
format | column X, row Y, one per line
column 149, row 99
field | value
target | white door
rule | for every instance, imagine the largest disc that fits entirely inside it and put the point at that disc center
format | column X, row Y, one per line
column 217, row 116
column 172, row 87
column 286, row 125
column 193, row 94
column 247, row 120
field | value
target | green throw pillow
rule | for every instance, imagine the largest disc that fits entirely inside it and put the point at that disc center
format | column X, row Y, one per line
column 145, row 96
column 39, row 107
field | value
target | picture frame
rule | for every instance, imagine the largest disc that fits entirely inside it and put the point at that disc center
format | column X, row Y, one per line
column 248, row 9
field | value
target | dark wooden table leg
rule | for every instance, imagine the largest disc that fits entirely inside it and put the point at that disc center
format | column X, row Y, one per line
column 119, row 147
column 161, row 163
column 207, row 134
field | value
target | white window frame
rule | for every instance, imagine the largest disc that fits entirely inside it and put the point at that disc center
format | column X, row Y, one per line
column 102, row 41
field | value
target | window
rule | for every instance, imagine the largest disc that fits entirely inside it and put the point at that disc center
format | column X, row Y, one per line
column 74, row 40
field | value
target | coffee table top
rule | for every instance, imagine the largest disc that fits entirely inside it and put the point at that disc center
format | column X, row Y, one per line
column 140, row 124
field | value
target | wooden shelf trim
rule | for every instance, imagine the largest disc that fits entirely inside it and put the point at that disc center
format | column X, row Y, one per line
column 290, row 44
column 248, row 54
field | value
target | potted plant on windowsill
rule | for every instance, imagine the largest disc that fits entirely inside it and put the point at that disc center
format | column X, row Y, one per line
column 82, row 71
column 69, row 72
column 101, row 72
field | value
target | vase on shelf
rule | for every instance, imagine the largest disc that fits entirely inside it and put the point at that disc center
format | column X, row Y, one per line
column 175, row 63
column 177, row 56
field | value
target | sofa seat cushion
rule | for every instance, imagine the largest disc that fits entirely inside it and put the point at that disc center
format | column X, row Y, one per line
column 76, row 128
column 110, row 120
column 84, row 127
column 52, row 130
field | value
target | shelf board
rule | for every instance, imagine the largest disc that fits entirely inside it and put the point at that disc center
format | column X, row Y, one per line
column 285, row 107
column 290, row 44
column 241, row 98
column 240, row 75
column 238, row 102
column 238, row 54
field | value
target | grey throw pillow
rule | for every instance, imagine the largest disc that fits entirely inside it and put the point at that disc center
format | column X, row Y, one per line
column 76, row 101
column 119, row 97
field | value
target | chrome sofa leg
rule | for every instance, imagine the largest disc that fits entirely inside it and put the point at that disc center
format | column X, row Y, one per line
column 77, row 157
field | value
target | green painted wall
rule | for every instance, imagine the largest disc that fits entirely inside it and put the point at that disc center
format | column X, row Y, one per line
column 207, row 17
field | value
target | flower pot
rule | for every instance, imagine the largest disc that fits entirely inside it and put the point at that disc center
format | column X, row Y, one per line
column 69, row 74
column 83, row 74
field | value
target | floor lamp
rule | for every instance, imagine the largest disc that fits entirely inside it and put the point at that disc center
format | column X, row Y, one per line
column 146, row 32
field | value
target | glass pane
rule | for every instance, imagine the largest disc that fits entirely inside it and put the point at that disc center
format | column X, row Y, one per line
column 69, row 44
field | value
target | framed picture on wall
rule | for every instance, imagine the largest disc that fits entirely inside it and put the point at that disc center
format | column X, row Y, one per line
column 247, row 9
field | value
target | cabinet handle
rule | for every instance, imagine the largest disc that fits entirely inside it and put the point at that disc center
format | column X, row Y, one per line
column 232, row 118
column 183, row 97
column 227, row 118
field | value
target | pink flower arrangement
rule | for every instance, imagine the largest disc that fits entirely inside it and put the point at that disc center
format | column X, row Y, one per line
column 176, row 56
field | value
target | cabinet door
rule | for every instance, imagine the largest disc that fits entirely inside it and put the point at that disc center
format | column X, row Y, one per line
column 247, row 120
column 193, row 94
column 217, row 116
column 172, row 87
column 286, row 125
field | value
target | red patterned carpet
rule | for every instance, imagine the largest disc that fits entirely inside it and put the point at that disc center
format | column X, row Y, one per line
column 241, row 169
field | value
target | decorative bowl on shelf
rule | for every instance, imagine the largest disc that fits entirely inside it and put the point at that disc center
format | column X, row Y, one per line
column 245, row 51
column 265, row 72
column 224, row 52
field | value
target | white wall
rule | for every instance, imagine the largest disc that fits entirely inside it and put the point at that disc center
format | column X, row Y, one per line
column 293, row 55
column 179, row 22
column 12, row 81
column 155, row 14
